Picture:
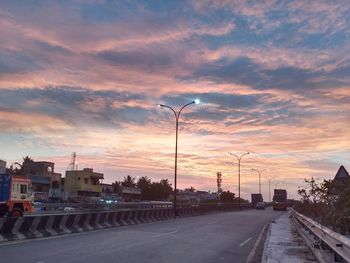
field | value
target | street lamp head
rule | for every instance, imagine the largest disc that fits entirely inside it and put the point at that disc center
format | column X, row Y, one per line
column 159, row 105
column 197, row 101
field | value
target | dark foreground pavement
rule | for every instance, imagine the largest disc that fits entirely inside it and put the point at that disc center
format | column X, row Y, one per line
column 223, row 237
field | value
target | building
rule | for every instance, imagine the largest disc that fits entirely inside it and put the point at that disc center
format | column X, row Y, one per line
column 46, row 183
column 2, row 167
column 131, row 194
column 342, row 174
column 194, row 197
column 207, row 196
column 109, row 193
column 83, row 185
column 42, row 168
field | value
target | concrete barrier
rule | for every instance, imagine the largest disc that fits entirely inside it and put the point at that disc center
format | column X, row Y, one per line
column 36, row 226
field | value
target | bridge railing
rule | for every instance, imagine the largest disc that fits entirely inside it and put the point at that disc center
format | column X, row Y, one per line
column 81, row 207
column 324, row 237
column 52, row 208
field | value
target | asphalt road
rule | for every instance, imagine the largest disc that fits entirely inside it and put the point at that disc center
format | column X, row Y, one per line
column 223, row 237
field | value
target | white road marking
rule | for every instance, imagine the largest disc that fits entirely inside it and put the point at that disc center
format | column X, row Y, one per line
column 245, row 242
column 169, row 233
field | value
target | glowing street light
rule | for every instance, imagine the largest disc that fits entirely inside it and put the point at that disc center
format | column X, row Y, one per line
column 177, row 116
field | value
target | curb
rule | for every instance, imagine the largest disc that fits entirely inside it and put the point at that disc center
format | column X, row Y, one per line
column 254, row 252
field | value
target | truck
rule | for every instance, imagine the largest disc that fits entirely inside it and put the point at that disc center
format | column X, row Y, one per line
column 256, row 198
column 280, row 199
column 15, row 195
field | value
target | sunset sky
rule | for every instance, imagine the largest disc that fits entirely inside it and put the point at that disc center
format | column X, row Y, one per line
column 273, row 78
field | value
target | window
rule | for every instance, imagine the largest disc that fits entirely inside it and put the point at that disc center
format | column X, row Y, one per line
column 86, row 180
column 24, row 188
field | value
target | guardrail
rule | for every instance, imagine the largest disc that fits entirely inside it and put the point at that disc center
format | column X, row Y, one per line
column 62, row 208
column 50, row 208
column 325, row 238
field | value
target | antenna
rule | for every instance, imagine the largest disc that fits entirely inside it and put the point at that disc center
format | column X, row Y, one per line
column 219, row 181
column 73, row 165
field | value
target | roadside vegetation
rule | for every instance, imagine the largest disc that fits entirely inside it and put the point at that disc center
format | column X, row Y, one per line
column 327, row 202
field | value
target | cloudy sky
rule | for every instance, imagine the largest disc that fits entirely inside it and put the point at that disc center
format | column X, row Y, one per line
column 86, row 76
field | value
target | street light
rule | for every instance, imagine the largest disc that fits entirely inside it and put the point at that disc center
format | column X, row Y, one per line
column 239, row 175
column 270, row 179
column 259, row 172
column 177, row 116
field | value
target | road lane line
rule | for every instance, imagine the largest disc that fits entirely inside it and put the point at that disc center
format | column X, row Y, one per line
column 169, row 233
column 245, row 242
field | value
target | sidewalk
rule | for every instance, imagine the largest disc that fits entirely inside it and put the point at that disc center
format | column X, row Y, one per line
column 283, row 243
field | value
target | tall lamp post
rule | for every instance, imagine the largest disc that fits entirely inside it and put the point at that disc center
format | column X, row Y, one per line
column 239, row 175
column 259, row 172
column 270, row 179
column 177, row 116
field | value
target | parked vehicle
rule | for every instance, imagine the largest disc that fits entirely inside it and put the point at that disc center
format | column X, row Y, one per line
column 260, row 205
column 15, row 195
column 280, row 199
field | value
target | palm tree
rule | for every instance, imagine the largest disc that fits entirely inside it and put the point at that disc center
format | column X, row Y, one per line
column 143, row 182
column 129, row 181
column 117, row 188
column 27, row 160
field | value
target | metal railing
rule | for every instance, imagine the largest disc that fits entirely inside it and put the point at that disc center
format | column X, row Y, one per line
column 325, row 237
column 50, row 208
column 58, row 208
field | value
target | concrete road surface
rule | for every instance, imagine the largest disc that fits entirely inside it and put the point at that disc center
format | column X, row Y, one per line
column 223, row 237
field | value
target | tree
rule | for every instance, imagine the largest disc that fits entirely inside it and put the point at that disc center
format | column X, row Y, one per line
column 227, row 197
column 143, row 182
column 20, row 169
column 166, row 186
column 159, row 191
column 117, row 187
column 191, row 189
column 129, row 181
column 327, row 202
column 27, row 160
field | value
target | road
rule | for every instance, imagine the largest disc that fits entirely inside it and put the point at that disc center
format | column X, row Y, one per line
column 222, row 237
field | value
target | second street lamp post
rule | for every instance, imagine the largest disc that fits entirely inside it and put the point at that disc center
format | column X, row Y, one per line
column 177, row 116
column 270, row 179
column 259, row 172
column 239, row 175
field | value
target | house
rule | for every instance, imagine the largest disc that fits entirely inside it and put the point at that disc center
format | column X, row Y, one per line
column 46, row 183
column 83, row 185
column 2, row 167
